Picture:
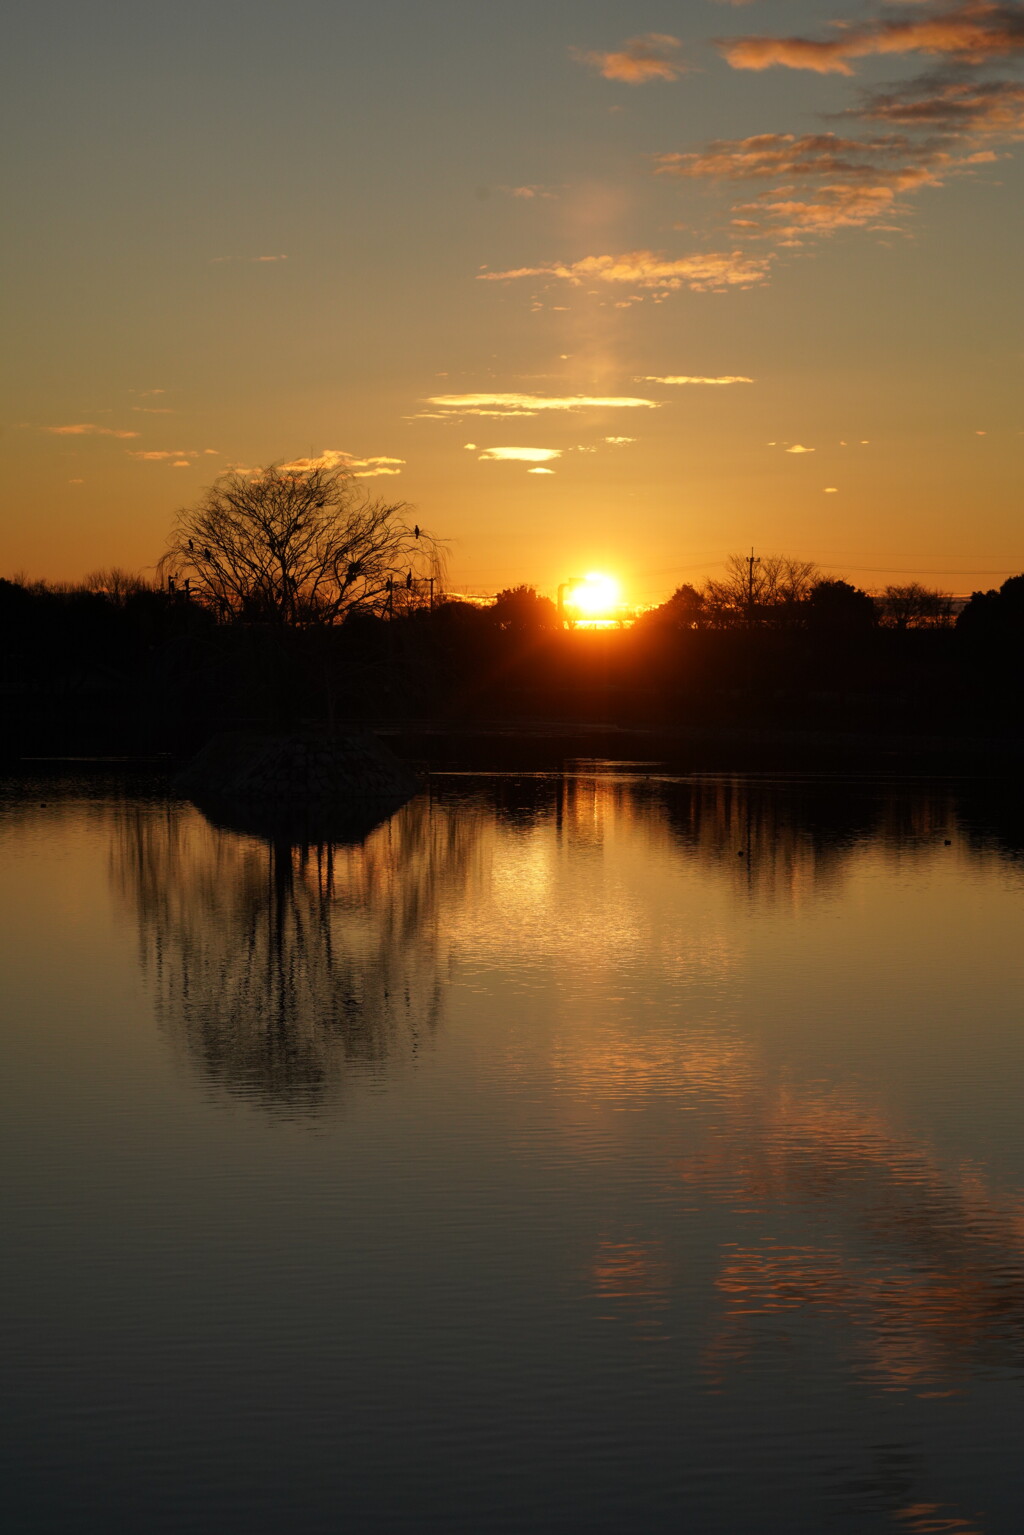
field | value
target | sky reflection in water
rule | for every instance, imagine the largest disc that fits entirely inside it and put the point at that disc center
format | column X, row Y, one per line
column 596, row 1152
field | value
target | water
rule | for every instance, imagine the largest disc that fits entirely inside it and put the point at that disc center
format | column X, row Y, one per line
column 592, row 1153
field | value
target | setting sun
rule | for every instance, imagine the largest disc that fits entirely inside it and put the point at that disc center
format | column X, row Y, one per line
column 596, row 595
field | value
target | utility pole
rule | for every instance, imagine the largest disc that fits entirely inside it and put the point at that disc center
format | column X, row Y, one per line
column 752, row 560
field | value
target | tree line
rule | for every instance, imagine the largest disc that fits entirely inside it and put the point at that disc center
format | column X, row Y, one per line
column 289, row 596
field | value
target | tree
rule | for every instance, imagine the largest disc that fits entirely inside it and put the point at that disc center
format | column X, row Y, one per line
column 116, row 584
column 765, row 590
column 995, row 615
column 916, row 607
column 521, row 609
column 298, row 548
column 835, row 607
column 685, row 609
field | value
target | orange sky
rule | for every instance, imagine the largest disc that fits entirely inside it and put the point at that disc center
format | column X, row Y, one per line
column 590, row 287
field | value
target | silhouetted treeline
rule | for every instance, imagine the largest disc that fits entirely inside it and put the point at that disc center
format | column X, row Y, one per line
column 128, row 668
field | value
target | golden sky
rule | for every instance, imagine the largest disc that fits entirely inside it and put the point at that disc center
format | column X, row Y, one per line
column 591, row 286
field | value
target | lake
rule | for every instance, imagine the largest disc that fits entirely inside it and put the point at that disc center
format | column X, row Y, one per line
column 598, row 1151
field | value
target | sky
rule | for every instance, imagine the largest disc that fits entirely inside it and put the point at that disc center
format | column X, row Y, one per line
column 590, row 285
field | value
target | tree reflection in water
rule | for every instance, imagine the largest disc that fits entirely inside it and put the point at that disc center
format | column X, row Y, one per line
column 283, row 964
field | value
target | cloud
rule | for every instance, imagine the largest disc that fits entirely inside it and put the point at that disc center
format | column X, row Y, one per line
column 683, row 378
column 88, row 429
column 839, row 207
column 159, row 456
column 154, row 410
column 798, row 447
column 349, row 463
column 714, row 272
column 528, row 193
column 788, row 154
column 974, row 31
column 519, row 455
column 654, row 56
column 831, row 490
column 967, row 108
column 251, row 260
column 862, row 180
column 448, row 406
column 540, row 471
column 619, row 442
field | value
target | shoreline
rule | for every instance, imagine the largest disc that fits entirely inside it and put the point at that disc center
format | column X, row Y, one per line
column 552, row 745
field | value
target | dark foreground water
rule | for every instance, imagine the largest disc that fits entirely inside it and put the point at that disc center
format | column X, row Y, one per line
column 598, row 1153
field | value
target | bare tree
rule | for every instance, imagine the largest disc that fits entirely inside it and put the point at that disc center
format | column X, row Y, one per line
column 300, row 547
column 116, row 584
column 759, row 590
column 914, row 606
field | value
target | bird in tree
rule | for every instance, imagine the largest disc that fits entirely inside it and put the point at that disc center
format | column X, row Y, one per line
column 297, row 547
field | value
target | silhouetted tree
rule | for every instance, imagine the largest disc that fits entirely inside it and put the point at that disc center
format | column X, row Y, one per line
column 118, row 585
column 835, row 607
column 914, row 606
column 685, row 609
column 995, row 615
column 769, row 591
column 299, row 547
column 520, row 608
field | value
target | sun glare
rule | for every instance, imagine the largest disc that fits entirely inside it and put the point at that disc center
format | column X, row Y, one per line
column 595, row 596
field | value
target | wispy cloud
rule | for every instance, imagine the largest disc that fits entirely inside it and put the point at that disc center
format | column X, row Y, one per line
column 540, row 470
column 853, row 205
column 685, row 378
column 178, row 456
column 861, row 179
column 519, row 455
column 249, row 260
column 449, row 406
column 88, row 429
column 973, row 31
column 529, row 193
column 789, row 154
column 654, row 56
column 798, row 447
column 358, row 468
column 964, row 108
column 713, row 272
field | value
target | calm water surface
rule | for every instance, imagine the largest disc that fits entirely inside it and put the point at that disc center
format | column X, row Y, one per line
column 606, row 1152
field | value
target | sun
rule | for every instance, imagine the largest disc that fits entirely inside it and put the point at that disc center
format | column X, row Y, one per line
column 596, row 595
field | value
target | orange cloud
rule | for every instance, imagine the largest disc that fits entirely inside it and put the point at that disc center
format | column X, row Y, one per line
column 863, row 179
column 973, row 31
column 714, row 272
column 654, row 56
column 181, row 456
column 976, row 109
column 519, row 455
column 448, row 406
column 337, row 458
column 789, row 154
column 683, row 378
column 88, row 429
